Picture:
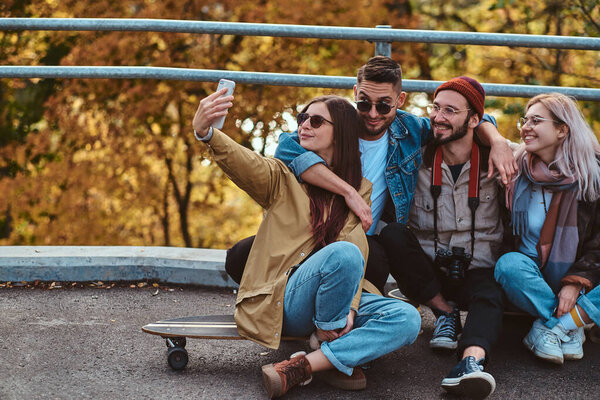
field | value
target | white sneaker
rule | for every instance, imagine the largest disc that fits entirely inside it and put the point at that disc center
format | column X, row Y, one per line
column 573, row 348
column 544, row 343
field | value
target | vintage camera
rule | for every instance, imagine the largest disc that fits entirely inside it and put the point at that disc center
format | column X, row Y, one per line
column 454, row 262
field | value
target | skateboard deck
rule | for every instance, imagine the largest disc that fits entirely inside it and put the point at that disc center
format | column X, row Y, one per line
column 203, row 327
column 175, row 332
column 397, row 294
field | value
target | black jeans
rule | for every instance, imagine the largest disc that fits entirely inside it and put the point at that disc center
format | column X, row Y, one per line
column 420, row 280
column 376, row 273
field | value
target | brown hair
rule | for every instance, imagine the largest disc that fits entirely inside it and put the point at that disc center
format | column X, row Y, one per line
column 345, row 164
column 381, row 69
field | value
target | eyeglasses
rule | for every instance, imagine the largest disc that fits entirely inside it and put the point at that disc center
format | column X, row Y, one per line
column 382, row 107
column 447, row 112
column 315, row 120
column 533, row 122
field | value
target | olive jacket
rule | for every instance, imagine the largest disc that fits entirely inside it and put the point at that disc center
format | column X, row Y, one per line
column 284, row 238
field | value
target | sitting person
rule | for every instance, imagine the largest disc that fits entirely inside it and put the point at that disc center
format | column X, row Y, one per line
column 554, row 272
column 445, row 256
column 305, row 269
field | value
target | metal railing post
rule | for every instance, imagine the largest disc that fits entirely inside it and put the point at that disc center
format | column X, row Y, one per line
column 383, row 48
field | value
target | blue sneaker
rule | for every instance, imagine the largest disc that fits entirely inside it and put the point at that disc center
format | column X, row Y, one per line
column 468, row 379
column 545, row 342
column 447, row 329
column 573, row 347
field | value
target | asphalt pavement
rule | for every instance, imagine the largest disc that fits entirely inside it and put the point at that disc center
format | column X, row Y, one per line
column 76, row 341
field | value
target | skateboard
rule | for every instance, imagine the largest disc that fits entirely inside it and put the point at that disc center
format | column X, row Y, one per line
column 397, row 294
column 175, row 332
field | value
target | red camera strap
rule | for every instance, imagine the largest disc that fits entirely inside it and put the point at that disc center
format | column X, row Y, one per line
column 474, row 181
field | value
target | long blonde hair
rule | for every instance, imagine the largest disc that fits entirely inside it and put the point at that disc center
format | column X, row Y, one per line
column 578, row 154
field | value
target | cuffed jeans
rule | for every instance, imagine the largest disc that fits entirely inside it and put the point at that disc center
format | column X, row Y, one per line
column 420, row 280
column 319, row 294
column 525, row 287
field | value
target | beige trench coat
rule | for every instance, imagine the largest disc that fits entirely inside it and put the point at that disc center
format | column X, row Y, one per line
column 283, row 240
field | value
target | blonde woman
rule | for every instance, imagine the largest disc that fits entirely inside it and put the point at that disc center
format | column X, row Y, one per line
column 555, row 270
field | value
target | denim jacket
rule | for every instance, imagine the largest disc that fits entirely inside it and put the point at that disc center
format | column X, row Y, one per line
column 408, row 134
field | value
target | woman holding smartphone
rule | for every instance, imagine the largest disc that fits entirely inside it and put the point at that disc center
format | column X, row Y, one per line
column 554, row 273
column 305, row 270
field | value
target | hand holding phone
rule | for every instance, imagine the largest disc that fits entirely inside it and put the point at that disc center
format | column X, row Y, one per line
column 230, row 85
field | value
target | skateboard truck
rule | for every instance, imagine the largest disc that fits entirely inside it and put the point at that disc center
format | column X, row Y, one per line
column 175, row 332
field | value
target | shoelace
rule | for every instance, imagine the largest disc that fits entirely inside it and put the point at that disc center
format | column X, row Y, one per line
column 445, row 326
column 472, row 364
column 294, row 372
column 550, row 337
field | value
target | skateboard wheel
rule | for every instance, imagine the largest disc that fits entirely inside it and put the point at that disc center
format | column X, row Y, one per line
column 176, row 341
column 177, row 358
column 595, row 334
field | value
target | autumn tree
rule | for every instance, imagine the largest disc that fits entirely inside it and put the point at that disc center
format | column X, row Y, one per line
column 130, row 171
column 114, row 162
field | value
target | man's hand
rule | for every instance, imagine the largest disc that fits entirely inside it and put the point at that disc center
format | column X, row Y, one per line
column 567, row 297
column 362, row 210
column 501, row 158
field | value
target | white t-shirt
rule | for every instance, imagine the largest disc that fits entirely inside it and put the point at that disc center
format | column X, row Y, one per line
column 373, row 154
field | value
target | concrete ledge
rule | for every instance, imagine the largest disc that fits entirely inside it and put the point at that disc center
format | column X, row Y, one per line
column 114, row 263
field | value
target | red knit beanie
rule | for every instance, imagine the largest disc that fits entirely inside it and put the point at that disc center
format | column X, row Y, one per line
column 468, row 87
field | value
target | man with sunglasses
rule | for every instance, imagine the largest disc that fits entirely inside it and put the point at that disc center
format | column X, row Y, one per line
column 390, row 146
column 444, row 256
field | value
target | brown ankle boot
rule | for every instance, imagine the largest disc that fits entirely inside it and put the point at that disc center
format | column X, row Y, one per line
column 279, row 378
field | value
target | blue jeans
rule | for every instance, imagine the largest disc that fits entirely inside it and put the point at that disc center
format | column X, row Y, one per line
column 319, row 294
column 525, row 287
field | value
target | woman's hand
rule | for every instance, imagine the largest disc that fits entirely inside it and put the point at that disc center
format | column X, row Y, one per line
column 211, row 108
column 349, row 323
column 567, row 297
column 328, row 336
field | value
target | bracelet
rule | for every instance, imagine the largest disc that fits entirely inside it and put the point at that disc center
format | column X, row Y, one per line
column 205, row 138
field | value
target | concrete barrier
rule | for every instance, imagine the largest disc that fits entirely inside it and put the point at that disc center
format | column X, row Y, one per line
column 113, row 264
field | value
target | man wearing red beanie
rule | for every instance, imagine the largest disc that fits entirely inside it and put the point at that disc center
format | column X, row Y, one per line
column 444, row 256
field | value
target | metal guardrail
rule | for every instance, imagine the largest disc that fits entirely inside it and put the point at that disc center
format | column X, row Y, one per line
column 382, row 38
column 300, row 31
column 267, row 78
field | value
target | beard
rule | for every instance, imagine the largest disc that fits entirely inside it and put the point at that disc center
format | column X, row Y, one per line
column 458, row 134
column 377, row 132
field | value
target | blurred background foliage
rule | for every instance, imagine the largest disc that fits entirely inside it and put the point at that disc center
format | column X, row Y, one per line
column 114, row 162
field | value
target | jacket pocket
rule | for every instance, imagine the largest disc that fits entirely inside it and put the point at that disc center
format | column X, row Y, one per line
column 409, row 170
column 254, row 295
column 424, row 209
column 410, row 165
column 423, row 213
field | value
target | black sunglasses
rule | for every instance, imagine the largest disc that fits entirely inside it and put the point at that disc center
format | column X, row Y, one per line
column 315, row 120
column 366, row 106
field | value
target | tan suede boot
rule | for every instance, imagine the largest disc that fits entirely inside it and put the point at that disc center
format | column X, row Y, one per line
column 280, row 377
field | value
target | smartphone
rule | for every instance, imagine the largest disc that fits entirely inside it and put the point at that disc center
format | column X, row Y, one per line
column 230, row 85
